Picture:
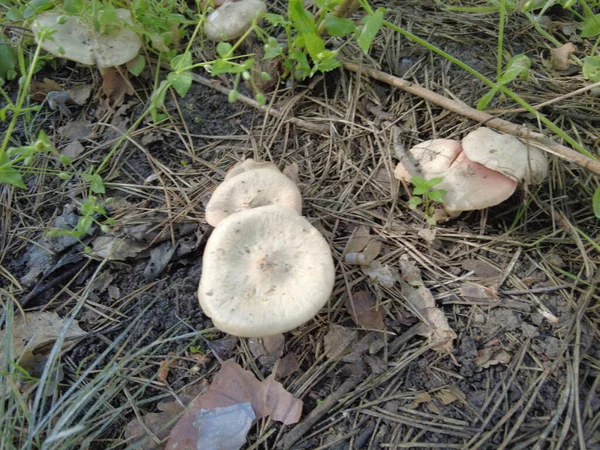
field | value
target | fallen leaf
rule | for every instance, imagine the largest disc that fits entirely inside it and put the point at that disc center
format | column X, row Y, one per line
column 165, row 366
column 492, row 356
column 481, row 269
column 410, row 272
column 363, row 309
column 230, row 386
column 224, row 428
column 76, row 129
column 384, row 275
column 337, row 340
column 80, row 94
column 267, row 349
column 428, row 234
column 421, row 397
column 39, row 89
column 73, row 149
column 447, row 396
column 116, row 84
column 287, row 365
column 115, row 248
column 560, row 55
column 437, row 330
column 362, row 248
column 34, row 334
column 223, row 348
column 160, row 256
column 358, row 241
column 478, row 292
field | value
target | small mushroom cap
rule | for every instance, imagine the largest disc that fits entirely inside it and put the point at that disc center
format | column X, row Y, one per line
column 470, row 186
column 506, row 154
column 232, row 19
column 435, row 156
column 81, row 43
column 401, row 173
column 247, row 165
column 265, row 271
column 252, row 189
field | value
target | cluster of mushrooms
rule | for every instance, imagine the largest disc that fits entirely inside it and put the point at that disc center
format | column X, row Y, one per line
column 266, row 270
column 481, row 171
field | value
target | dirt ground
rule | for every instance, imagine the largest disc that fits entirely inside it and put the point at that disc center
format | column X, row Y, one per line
column 518, row 283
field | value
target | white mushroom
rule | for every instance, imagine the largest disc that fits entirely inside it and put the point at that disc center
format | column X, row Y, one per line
column 265, row 271
column 75, row 40
column 435, row 156
column 506, row 154
column 247, row 165
column 252, row 189
column 232, row 19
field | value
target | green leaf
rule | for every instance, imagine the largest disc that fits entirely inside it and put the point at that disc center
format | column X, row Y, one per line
column 591, row 26
column 420, row 190
column 223, row 49
column 370, row 30
column 339, row 26
column 14, row 14
column 418, row 181
column 314, row 45
column 136, row 65
column 97, row 185
column 275, row 19
column 181, row 61
column 434, row 181
column 591, row 68
column 413, row 202
column 181, row 82
column 437, row 195
column 328, row 64
column 486, row 99
column 517, row 67
column 10, row 175
column 596, row 202
column 303, row 20
column 272, row 48
column 8, row 58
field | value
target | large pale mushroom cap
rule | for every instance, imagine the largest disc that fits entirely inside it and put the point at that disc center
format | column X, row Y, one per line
column 232, row 19
column 247, row 165
column 81, row 43
column 506, row 154
column 265, row 271
column 252, row 189
column 470, row 186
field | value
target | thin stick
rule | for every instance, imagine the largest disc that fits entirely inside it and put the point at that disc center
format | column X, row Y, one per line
column 537, row 139
column 312, row 127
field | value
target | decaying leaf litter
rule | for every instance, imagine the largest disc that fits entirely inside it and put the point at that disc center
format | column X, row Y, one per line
column 514, row 286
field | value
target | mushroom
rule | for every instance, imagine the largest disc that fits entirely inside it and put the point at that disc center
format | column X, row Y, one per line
column 247, row 165
column 506, row 154
column 75, row 40
column 471, row 186
column 252, row 189
column 433, row 157
column 232, row 19
column 265, row 271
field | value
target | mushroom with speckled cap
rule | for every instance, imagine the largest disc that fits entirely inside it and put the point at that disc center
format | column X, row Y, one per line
column 232, row 19
column 252, row 189
column 80, row 42
column 265, row 271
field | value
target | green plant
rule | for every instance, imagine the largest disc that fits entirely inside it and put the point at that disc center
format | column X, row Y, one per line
column 596, row 202
column 425, row 195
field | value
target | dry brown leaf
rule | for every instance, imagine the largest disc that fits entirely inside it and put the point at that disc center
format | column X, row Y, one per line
column 165, row 366
column 492, row 356
column 230, row 386
column 560, row 55
column 36, row 333
column 481, row 268
column 80, row 94
column 363, row 309
column 410, row 272
column 267, row 349
column 437, row 330
column 73, row 149
column 362, row 248
column 447, row 396
column 39, row 89
column 429, row 234
column 115, row 248
column 478, row 292
column 421, row 397
column 359, row 240
column 337, row 340
column 115, row 84
column 287, row 365
column 382, row 274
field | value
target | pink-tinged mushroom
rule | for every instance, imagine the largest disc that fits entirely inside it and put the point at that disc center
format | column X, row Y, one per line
column 470, row 186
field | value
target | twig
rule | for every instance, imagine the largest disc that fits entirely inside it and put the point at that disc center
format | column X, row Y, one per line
column 315, row 415
column 505, row 126
column 314, row 128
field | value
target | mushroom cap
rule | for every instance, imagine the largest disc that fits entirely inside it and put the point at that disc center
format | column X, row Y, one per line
column 249, row 164
column 265, row 271
column 470, row 186
column 435, row 156
column 252, row 189
column 401, row 173
column 506, row 154
column 232, row 19
column 81, row 43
